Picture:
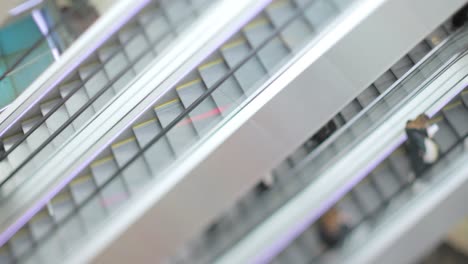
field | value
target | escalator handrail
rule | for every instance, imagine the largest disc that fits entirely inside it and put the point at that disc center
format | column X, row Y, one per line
column 38, row 198
column 391, row 89
column 405, row 186
column 82, row 109
column 183, row 114
column 454, row 169
column 329, row 199
column 75, row 55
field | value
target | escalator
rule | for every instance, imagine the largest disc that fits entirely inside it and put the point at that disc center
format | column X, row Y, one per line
column 357, row 118
column 53, row 119
column 386, row 80
column 22, row 67
column 334, row 167
column 163, row 133
column 387, row 188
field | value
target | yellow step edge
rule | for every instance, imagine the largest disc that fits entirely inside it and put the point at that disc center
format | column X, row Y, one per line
column 255, row 23
column 22, row 232
column 69, row 82
column 436, row 120
column 145, row 123
column 187, row 84
column 39, row 216
column 452, row 105
column 277, row 4
column 166, row 103
column 50, row 100
column 92, row 63
column 210, row 64
column 102, row 161
column 60, row 198
column 399, row 151
column 464, row 91
column 380, row 166
column 81, row 179
column 31, row 119
column 365, row 180
column 123, row 142
column 233, row 43
column 12, row 136
column 346, row 197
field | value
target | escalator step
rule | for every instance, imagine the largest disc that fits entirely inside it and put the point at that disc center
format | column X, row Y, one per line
column 384, row 81
column 230, row 91
column 207, row 114
column 183, row 135
column 56, row 120
column 82, row 188
column 445, row 137
column 75, row 102
column 402, row 66
column 367, row 96
column 419, row 51
column 457, row 115
column 136, row 174
column 177, row 11
column 367, row 196
column 320, row 12
column 159, row 154
column 103, row 169
column 20, row 152
column 386, row 181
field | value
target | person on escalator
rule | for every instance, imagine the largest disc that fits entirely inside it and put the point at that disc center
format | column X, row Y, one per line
column 2, row 151
column 322, row 135
column 319, row 137
column 421, row 147
column 265, row 184
column 460, row 18
column 333, row 227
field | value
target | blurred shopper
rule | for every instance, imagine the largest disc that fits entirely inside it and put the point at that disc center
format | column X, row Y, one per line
column 322, row 135
column 266, row 183
column 333, row 227
column 460, row 18
column 2, row 151
column 421, row 147
column 78, row 15
column 318, row 138
column 325, row 132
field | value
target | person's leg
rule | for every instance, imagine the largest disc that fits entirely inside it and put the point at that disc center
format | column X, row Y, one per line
column 416, row 164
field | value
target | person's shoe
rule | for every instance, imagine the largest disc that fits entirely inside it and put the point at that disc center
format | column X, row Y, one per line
column 262, row 188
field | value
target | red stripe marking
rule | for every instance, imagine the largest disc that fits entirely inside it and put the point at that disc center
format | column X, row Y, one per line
column 203, row 116
column 109, row 201
column 116, row 198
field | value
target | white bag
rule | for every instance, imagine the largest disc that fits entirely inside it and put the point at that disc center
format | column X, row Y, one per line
column 432, row 151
